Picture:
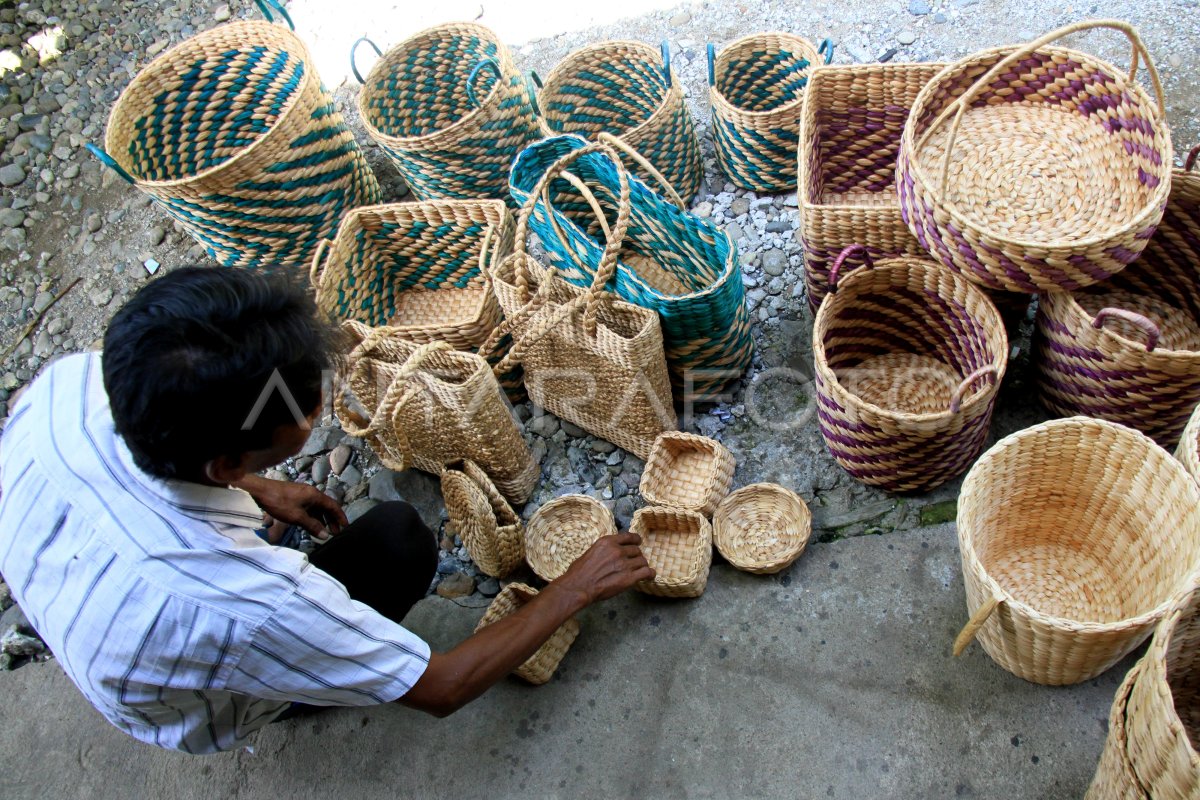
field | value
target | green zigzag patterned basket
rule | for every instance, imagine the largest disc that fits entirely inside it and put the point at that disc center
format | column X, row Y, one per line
column 233, row 135
column 451, row 111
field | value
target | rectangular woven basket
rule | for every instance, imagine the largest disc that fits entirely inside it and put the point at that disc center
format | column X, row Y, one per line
column 687, row 471
column 678, row 545
column 539, row 667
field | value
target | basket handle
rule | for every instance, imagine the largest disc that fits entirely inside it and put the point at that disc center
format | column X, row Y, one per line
column 712, row 64
column 956, row 399
column 109, row 162
column 981, row 615
column 315, row 273
column 487, row 62
column 354, row 50
column 1146, row 324
column 958, row 106
column 826, row 49
column 269, row 6
column 851, row 250
column 617, row 143
column 533, row 82
column 1191, row 159
column 665, row 48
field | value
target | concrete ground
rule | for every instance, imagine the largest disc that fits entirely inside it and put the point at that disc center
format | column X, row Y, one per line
column 832, row 679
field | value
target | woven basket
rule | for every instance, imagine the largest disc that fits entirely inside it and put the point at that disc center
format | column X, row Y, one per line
column 1036, row 168
column 762, row 528
column 1114, row 779
column 428, row 405
column 628, row 90
column 234, row 136
column 419, row 268
column 1188, row 451
column 850, row 128
column 450, row 109
column 678, row 546
column 687, row 471
column 1128, row 350
column 539, row 667
column 563, row 530
column 1163, row 720
column 755, row 88
column 490, row 529
column 1075, row 534
column 909, row 357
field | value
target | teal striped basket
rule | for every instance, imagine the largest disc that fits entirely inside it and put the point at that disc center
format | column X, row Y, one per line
column 450, row 109
column 233, row 135
column 629, row 90
column 682, row 266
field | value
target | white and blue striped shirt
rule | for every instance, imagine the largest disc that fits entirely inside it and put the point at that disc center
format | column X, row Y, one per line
column 175, row 620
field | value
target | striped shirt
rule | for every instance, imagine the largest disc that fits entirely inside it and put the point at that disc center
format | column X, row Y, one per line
column 175, row 620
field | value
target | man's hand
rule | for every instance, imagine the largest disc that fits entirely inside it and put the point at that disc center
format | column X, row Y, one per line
column 296, row 504
column 610, row 566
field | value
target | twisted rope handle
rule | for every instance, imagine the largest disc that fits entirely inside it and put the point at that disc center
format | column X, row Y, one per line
column 981, row 615
column 956, row 399
column 665, row 48
column 711, row 51
column 354, row 49
column 1191, row 159
column 1146, row 324
column 826, row 49
column 487, row 62
column 625, row 147
column 315, row 274
column 269, row 6
column 850, row 250
column 534, row 334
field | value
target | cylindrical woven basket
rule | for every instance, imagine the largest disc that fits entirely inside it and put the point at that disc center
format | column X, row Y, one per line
column 678, row 546
column 539, row 667
column 1189, row 446
column 1128, row 350
column 1034, row 167
column 451, row 110
column 762, row 528
column 1075, row 536
column 234, row 136
column 1114, row 779
column 755, row 88
column 687, row 471
column 562, row 530
column 628, row 90
column 851, row 123
column 490, row 529
column 909, row 358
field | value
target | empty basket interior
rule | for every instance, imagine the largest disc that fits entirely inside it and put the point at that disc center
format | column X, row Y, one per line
column 764, row 72
column 1166, row 292
column 612, row 86
column 562, row 530
column 682, row 471
column 673, row 542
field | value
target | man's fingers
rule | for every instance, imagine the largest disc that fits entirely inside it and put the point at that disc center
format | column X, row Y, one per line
column 646, row 573
column 333, row 512
column 627, row 538
column 314, row 526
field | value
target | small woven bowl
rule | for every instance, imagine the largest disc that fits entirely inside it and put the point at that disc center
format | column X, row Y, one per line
column 678, row 545
column 687, row 471
column 562, row 530
column 762, row 528
column 540, row 666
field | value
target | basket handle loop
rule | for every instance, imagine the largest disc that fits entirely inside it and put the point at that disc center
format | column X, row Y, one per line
column 956, row 399
column 270, row 7
column 354, row 49
column 959, row 105
column 315, row 273
column 617, row 143
column 1191, row 159
column 516, row 353
column 826, row 49
column 109, row 162
column 1146, row 324
column 533, row 82
column 712, row 64
column 981, row 615
column 492, row 64
column 665, row 48
column 856, row 250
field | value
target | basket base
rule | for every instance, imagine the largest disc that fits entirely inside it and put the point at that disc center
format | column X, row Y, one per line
column 903, row 382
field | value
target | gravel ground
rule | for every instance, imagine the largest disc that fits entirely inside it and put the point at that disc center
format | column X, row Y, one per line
column 63, row 217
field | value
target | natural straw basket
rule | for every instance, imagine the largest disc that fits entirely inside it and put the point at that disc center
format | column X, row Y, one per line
column 909, row 358
column 1189, row 446
column 539, row 667
column 755, row 88
column 628, row 90
column 1128, row 350
column 450, row 109
column 762, row 528
column 490, row 529
column 562, row 530
column 678, row 546
column 234, row 136
column 850, row 128
column 422, row 269
column 1114, row 779
column 687, row 471
column 1035, row 168
column 1075, row 535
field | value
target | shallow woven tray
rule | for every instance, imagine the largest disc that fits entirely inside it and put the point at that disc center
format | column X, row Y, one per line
column 687, row 471
column 539, row 667
column 678, row 545
column 762, row 528
column 490, row 529
column 562, row 530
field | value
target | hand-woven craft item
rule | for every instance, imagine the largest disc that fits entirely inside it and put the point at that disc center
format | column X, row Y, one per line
column 851, row 122
column 490, row 529
column 687, row 471
column 678, row 546
column 909, row 358
column 450, row 109
column 1128, row 350
column 628, row 90
column 1188, row 451
column 755, row 87
column 762, row 528
column 1114, row 778
column 1075, row 536
column 539, row 667
column 1034, row 167
column 234, row 136
column 562, row 530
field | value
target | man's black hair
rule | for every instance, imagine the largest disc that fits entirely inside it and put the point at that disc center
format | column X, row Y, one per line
column 187, row 359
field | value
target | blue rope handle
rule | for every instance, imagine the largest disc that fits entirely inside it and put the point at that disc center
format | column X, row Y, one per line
column 487, row 62
column 109, row 162
column 665, row 47
column 354, row 49
column 827, row 49
column 712, row 64
column 269, row 6
column 533, row 82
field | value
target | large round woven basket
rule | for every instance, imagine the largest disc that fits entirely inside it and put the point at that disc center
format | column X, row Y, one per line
column 909, row 358
column 451, row 110
column 1075, row 535
column 562, row 530
column 1035, row 167
column 1114, row 778
column 1188, row 451
column 234, row 136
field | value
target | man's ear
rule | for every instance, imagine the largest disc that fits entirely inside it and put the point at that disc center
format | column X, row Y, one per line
column 226, row 470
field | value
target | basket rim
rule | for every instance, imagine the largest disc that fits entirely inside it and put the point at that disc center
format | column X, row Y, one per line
column 717, row 97
column 1075, row 308
column 1188, row 452
column 201, row 38
column 734, row 499
column 534, row 554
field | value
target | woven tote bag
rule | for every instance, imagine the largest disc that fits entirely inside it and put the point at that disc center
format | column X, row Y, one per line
column 851, row 122
column 450, row 109
column 1075, row 536
column 1114, row 778
column 628, row 90
column 233, row 135
column 490, row 529
column 428, row 405
column 680, row 266
column 1189, row 446
column 909, row 358
column 538, row 668
column 756, row 88
column 1128, row 350
column 1066, row 206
